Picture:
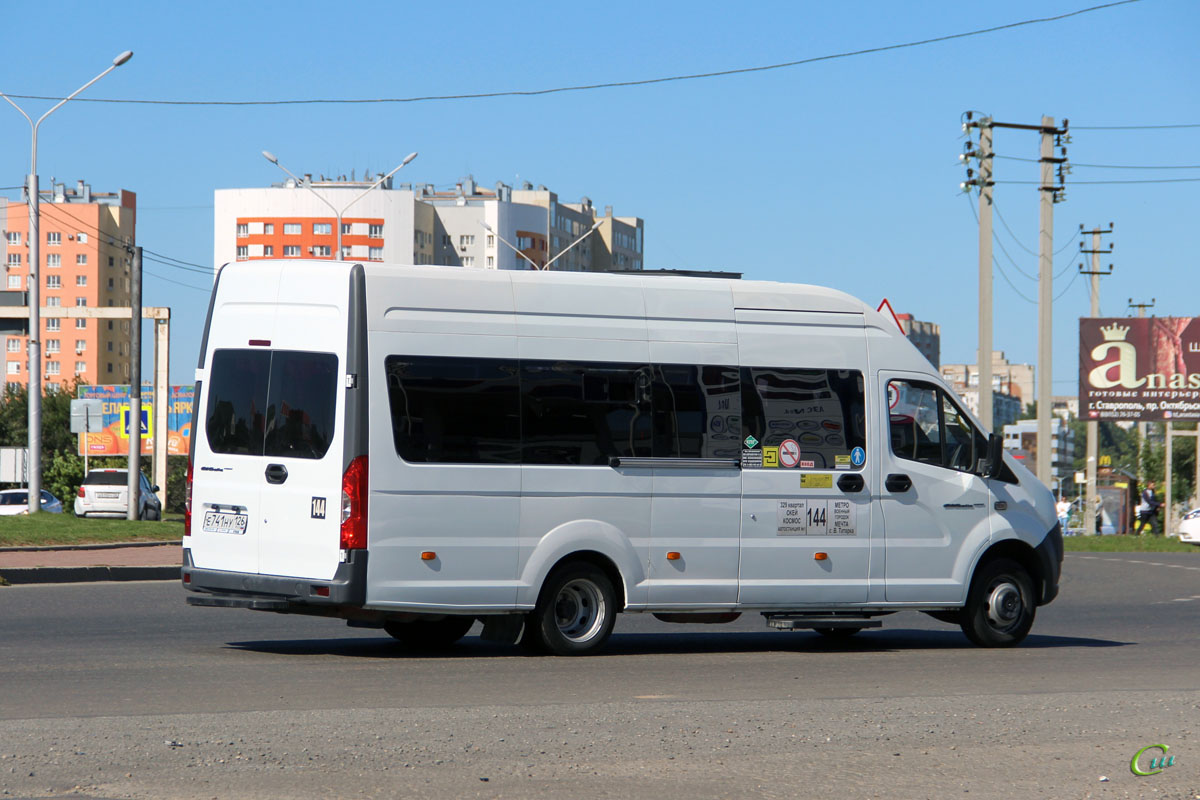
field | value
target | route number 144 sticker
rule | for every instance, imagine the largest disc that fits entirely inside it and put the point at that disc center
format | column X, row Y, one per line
column 816, row 518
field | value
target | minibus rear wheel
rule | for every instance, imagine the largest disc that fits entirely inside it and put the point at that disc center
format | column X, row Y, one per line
column 575, row 612
column 430, row 634
column 1000, row 606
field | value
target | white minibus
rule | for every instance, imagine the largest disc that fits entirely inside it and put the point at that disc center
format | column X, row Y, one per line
column 415, row 448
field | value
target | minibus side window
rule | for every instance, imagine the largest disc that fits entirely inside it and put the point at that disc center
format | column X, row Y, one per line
column 584, row 413
column 237, row 400
column 301, row 404
column 914, row 422
column 697, row 411
column 822, row 410
column 454, row 410
column 959, row 439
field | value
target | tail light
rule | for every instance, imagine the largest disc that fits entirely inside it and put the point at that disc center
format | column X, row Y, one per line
column 187, row 502
column 354, row 505
column 79, row 492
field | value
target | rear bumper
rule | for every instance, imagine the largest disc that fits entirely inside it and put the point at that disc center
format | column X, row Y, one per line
column 212, row 587
column 1050, row 557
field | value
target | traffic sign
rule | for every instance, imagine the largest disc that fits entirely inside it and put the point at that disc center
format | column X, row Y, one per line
column 146, row 415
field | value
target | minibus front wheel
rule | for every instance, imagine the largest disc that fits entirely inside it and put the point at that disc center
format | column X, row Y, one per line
column 575, row 612
column 1000, row 606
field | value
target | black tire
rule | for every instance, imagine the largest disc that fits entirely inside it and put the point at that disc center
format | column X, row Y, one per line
column 1000, row 605
column 430, row 634
column 575, row 612
column 837, row 634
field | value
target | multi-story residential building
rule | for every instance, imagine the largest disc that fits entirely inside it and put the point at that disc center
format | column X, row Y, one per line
column 925, row 336
column 1012, row 387
column 86, row 247
column 468, row 226
column 1022, row 437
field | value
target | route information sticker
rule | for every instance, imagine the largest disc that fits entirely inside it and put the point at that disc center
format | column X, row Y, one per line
column 816, row 518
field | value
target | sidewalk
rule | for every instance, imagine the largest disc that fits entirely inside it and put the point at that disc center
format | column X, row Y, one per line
column 135, row 561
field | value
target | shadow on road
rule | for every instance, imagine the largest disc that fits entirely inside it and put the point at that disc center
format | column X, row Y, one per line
column 684, row 643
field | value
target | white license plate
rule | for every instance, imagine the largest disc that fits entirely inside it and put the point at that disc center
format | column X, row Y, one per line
column 108, row 495
column 220, row 522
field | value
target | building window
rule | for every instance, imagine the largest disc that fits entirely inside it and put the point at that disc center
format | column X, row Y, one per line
column 53, row 324
column 322, row 229
column 53, row 346
column 14, row 259
column 491, row 240
column 80, row 345
column 321, row 250
column 291, row 229
column 345, row 229
column 53, row 238
column 491, row 262
column 524, row 242
column 80, row 367
column 14, row 237
column 110, row 283
column 109, row 367
column 53, row 282
column 445, row 240
column 80, row 323
column 53, row 302
column 269, row 228
column 81, row 280
column 268, row 250
column 54, row 260
column 53, row 368
column 80, row 302
column 291, row 251
column 81, row 238
column 345, row 252
column 110, row 261
column 14, row 281
column 243, row 229
column 375, row 253
column 243, row 252
column 14, row 367
column 81, row 259
column 466, row 240
column 14, row 344
column 375, row 231
column 468, row 261
column 109, row 348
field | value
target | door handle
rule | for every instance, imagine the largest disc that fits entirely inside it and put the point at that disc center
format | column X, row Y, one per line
column 851, row 482
column 898, row 482
column 276, row 473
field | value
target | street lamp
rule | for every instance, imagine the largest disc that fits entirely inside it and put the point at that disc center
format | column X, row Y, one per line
column 269, row 156
column 532, row 263
column 35, row 312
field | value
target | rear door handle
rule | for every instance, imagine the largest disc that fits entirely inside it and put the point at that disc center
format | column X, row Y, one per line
column 276, row 473
column 898, row 482
column 851, row 482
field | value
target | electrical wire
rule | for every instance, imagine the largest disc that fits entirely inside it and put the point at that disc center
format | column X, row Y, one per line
column 1108, row 166
column 1094, row 183
column 1004, row 275
column 1013, row 261
column 608, row 85
column 1074, row 278
column 177, row 283
column 1133, row 127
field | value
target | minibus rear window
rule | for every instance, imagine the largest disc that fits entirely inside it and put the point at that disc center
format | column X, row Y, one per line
column 278, row 403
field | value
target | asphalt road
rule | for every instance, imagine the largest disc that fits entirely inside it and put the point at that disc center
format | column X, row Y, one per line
column 121, row 690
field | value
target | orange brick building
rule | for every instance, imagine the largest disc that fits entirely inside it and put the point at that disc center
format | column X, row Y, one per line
column 86, row 254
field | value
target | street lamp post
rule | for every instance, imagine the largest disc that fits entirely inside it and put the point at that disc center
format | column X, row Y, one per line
column 532, row 263
column 34, row 394
column 269, row 156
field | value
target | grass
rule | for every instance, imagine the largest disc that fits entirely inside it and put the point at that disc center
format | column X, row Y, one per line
column 61, row 529
column 1127, row 544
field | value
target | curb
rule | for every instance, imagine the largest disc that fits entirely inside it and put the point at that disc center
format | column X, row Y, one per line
column 35, row 575
column 104, row 546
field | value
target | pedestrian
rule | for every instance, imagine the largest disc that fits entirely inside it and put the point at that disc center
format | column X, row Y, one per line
column 1147, row 511
column 1063, row 508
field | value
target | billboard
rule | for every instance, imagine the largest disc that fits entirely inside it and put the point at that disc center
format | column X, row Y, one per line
column 1139, row 369
column 112, row 438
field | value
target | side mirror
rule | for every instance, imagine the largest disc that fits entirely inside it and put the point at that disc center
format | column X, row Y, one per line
column 154, row 488
column 995, row 457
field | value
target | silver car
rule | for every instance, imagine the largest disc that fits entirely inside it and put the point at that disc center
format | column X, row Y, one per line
column 105, row 493
column 16, row 502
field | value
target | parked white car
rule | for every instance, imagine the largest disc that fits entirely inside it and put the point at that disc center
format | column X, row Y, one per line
column 1189, row 528
column 16, row 501
column 105, row 493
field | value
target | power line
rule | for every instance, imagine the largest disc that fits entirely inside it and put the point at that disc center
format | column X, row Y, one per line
column 1134, row 127
column 1112, row 166
column 593, row 86
column 155, row 275
column 1095, row 183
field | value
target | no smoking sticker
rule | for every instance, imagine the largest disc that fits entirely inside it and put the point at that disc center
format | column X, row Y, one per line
column 789, row 453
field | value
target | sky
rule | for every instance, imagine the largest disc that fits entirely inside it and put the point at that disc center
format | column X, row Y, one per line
column 843, row 172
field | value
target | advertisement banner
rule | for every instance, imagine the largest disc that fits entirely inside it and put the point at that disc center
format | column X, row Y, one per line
column 1139, row 369
column 112, row 437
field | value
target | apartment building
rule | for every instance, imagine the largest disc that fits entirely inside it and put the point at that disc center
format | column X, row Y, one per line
column 925, row 336
column 1021, row 437
column 87, row 239
column 466, row 226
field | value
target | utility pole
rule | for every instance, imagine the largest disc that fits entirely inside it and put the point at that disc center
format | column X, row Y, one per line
column 986, row 184
column 1093, row 426
column 135, row 386
column 1141, row 426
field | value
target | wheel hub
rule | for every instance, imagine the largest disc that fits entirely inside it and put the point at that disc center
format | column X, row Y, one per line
column 579, row 610
column 1004, row 604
